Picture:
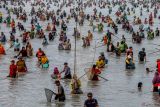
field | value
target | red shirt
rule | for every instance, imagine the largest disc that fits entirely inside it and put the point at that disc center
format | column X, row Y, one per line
column 13, row 70
column 2, row 51
column 96, row 71
column 39, row 54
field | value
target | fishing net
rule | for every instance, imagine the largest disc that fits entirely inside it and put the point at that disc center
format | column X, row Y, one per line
column 89, row 73
column 49, row 93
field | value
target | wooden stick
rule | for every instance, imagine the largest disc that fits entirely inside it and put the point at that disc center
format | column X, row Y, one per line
column 100, row 46
column 102, row 77
column 83, row 74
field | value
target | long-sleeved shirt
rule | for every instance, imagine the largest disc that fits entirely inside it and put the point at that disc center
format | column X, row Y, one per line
column 67, row 71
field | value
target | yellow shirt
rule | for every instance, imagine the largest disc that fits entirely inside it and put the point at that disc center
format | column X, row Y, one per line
column 75, row 84
column 44, row 59
column 100, row 63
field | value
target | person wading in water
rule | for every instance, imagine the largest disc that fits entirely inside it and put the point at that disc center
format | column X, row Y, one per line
column 60, row 95
column 94, row 73
column 76, row 85
column 142, row 55
column 21, row 65
column 91, row 102
column 23, row 53
column 13, row 70
column 67, row 71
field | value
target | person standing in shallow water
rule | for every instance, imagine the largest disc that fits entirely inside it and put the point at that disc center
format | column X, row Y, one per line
column 95, row 72
column 60, row 95
column 142, row 55
column 13, row 70
column 67, row 71
column 16, row 45
column 76, row 85
column 156, row 82
column 23, row 53
column 90, row 102
column 29, row 49
column 21, row 65
column 2, row 50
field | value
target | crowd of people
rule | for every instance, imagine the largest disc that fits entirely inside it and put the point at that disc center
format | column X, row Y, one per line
column 15, row 17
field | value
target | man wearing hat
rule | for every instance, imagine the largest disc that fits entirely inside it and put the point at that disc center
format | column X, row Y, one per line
column 90, row 102
column 13, row 70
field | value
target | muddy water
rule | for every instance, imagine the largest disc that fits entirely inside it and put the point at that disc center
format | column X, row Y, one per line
column 119, row 91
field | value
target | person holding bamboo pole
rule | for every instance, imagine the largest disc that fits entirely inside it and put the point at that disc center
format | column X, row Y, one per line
column 75, row 85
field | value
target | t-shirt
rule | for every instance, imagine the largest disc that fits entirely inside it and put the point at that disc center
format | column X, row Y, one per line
column 16, row 45
column 24, row 53
column 44, row 60
column 67, row 71
column 91, row 103
column 100, row 63
column 13, row 69
column 142, row 55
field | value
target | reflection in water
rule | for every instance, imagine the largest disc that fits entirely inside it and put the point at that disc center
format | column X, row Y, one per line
column 129, row 73
column 93, row 84
column 55, row 104
column 13, row 82
column 48, row 104
column 156, row 99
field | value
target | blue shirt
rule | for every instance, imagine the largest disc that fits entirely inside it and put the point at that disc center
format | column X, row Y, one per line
column 16, row 45
column 67, row 71
column 91, row 103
